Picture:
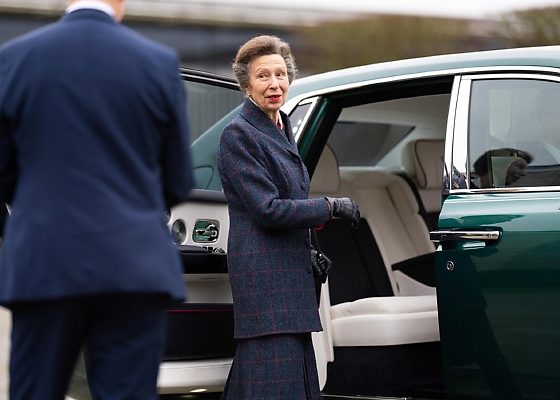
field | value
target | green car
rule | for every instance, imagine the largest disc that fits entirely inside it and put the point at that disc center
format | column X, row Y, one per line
column 450, row 287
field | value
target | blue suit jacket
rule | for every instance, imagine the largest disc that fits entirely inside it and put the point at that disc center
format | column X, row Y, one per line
column 266, row 186
column 93, row 147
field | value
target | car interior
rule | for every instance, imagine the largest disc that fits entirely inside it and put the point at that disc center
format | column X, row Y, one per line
column 380, row 298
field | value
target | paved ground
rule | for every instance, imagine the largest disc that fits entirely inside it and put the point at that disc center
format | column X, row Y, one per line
column 4, row 351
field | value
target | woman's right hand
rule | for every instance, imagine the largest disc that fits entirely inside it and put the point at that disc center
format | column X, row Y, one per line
column 345, row 208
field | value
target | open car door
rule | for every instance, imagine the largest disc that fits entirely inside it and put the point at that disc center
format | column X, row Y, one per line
column 200, row 333
column 497, row 263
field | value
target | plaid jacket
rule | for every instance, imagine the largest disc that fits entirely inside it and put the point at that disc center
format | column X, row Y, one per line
column 266, row 185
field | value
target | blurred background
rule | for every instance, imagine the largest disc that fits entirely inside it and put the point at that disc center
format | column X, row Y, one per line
column 324, row 35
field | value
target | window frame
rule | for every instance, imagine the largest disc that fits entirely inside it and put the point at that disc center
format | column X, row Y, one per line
column 209, row 138
column 457, row 151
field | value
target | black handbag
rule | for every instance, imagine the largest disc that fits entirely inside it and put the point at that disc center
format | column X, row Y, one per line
column 321, row 265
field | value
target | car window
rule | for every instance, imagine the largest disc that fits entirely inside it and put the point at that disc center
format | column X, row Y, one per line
column 514, row 137
column 212, row 103
column 365, row 143
column 378, row 133
column 207, row 104
column 297, row 117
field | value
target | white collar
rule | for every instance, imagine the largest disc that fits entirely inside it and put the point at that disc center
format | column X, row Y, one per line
column 92, row 5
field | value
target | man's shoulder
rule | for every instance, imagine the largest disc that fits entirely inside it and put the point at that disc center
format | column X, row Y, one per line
column 147, row 43
column 28, row 38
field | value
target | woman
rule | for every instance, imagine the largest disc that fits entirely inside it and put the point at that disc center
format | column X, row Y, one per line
column 266, row 185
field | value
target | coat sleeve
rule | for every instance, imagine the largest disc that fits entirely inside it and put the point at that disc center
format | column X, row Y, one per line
column 176, row 159
column 242, row 164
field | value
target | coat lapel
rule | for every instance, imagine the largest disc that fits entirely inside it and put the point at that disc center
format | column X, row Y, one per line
column 260, row 121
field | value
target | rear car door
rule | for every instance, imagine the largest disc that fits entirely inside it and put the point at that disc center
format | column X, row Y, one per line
column 498, row 256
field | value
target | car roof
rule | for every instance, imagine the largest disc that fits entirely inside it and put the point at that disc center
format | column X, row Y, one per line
column 543, row 56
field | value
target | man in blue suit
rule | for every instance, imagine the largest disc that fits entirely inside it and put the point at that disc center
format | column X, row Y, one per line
column 94, row 147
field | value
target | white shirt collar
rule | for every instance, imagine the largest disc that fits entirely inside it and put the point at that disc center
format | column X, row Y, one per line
column 92, row 5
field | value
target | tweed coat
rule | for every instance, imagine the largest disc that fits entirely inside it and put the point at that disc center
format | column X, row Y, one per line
column 266, row 186
column 94, row 146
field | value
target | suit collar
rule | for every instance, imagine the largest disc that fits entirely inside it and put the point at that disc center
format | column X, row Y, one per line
column 258, row 119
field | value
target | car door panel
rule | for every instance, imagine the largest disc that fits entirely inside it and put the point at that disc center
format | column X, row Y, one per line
column 201, row 327
column 498, row 277
column 497, row 299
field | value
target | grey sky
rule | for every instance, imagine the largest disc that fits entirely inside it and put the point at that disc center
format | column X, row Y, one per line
column 306, row 11
column 461, row 8
column 466, row 8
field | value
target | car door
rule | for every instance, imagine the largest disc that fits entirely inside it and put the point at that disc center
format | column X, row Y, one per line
column 498, row 256
column 202, row 327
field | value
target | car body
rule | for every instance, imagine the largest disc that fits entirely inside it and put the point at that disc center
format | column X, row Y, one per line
column 450, row 286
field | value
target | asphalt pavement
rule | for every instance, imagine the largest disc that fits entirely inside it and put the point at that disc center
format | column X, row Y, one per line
column 5, row 328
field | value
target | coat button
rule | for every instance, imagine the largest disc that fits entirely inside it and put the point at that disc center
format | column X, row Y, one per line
column 309, row 270
column 303, row 185
column 295, row 159
column 307, row 242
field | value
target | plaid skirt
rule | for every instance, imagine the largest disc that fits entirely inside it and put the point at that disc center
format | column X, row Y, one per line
column 275, row 367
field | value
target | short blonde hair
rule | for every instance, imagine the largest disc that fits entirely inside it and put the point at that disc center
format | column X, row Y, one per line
column 262, row 45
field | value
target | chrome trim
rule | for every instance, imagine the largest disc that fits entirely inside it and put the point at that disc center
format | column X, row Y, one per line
column 447, row 235
column 208, row 77
column 291, row 104
column 460, row 135
column 460, row 152
column 313, row 101
column 508, row 190
column 430, row 74
column 447, row 159
column 208, row 234
column 512, row 76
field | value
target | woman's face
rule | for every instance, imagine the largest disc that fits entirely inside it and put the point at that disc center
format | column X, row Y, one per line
column 268, row 83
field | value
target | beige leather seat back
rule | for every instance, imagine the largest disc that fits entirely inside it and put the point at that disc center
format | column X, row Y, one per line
column 427, row 156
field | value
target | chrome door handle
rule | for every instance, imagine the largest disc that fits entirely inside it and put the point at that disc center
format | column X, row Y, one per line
column 206, row 231
column 211, row 231
column 447, row 235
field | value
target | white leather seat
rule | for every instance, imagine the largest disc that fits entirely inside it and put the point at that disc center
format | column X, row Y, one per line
column 386, row 202
column 385, row 321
